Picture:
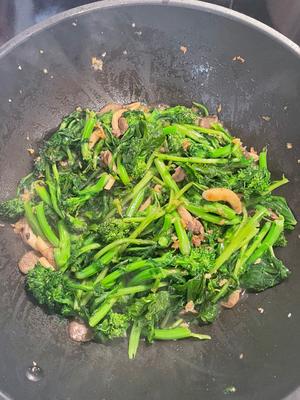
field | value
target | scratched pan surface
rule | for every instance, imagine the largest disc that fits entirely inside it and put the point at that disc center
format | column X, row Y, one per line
column 44, row 74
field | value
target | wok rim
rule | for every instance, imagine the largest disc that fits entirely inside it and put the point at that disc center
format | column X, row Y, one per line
column 105, row 4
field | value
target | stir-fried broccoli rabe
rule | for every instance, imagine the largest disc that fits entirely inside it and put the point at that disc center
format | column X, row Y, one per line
column 149, row 219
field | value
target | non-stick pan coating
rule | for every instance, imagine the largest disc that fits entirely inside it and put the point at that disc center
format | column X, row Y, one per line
column 44, row 74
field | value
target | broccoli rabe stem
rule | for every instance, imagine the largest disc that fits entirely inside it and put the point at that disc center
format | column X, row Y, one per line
column 202, row 108
column 63, row 252
column 135, row 203
column 192, row 160
column 277, row 184
column 165, row 175
column 97, row 187
column 86, row 133
column 213, row 132
column 199, row 211
column 169, row 130
column 269, row 240
column 243, row 258
column 121, row 171
column 134, row 339
column 240, row 238
column 263, row 163
column 52, row 191
column 183, row 239
column 32, row 220
column 42, row 193
column 45, row 226
column 220, row 152
column 105, row 307
column 177, row 333
column 121, row 242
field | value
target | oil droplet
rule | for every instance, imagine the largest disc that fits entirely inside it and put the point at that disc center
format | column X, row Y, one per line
column 34, row 373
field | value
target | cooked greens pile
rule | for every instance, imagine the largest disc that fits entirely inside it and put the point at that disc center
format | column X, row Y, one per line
column 153, row 222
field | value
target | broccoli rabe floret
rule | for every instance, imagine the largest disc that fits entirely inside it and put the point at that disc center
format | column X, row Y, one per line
column 11, row 209
column 113, row 229
column 52, row 289
column 114, row 326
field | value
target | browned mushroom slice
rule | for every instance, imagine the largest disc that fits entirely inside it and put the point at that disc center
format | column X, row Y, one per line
column 189, row 222
column 232, row 299
column 23, row 229
column 96, row 135
column 224, row 194
column 133, row 106
column 146, row 204
column 45, row 249
column 179, row 175
column 45, row 263
column 116, row 130
column 28, row 261
column 110, row 107
column 79, row 331
column 110, row 183
column 207, row 122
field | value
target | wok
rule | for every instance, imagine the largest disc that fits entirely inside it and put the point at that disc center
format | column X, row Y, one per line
column 44, row 74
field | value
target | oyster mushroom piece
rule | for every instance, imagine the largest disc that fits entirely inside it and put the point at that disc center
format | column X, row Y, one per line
column 79, row 331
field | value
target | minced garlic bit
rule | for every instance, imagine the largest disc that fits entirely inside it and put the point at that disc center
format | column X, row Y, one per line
column 266, row 118
column 241, row 356
column 183, row 49
column 30, row 151
column 219, row 108
column 239, row 59
column 298, row 161
column 289, row 315
column 97, row 64
column 260, row 310
column 289, row 146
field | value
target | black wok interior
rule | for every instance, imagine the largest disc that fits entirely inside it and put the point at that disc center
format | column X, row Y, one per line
column 143, row 62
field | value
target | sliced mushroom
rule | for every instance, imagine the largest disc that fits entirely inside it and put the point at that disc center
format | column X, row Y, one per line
column 190, row 223
column 110, row 183
column 110, row 107
column 123, row 125
column 232, row 300
column 45, row 263
column 223, row 194
column 146, row 204
column 197, row 240
column 28, row 261
column 45, row 249
column 207, row 122
column 116, row 131
column 79, row 331
column 35, row 242
column 106, row 157
column 179, row 175
column 96, row 135
column 186, row 144
column 133, row 106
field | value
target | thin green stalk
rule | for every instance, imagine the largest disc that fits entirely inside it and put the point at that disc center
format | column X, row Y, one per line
column 32, row 220
column 271, row 238
column 165, row 175
column 212, row 132
column 202, row 108
column 121, row 171
column 134, row 339
column 52, row 191
column 121, row 242
column 135, row 203
column 42, row 193
column 63, row 252
column 97, row 187
column 102, row 311
column 86, row 133
column 184, row 242
column 263, row 163
column 177, row 333
column 44, row 225
column 277, row 184
column 241, row 237
column 199, row 211
column 224, row 151
column 243, row 258
column 192, row 160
